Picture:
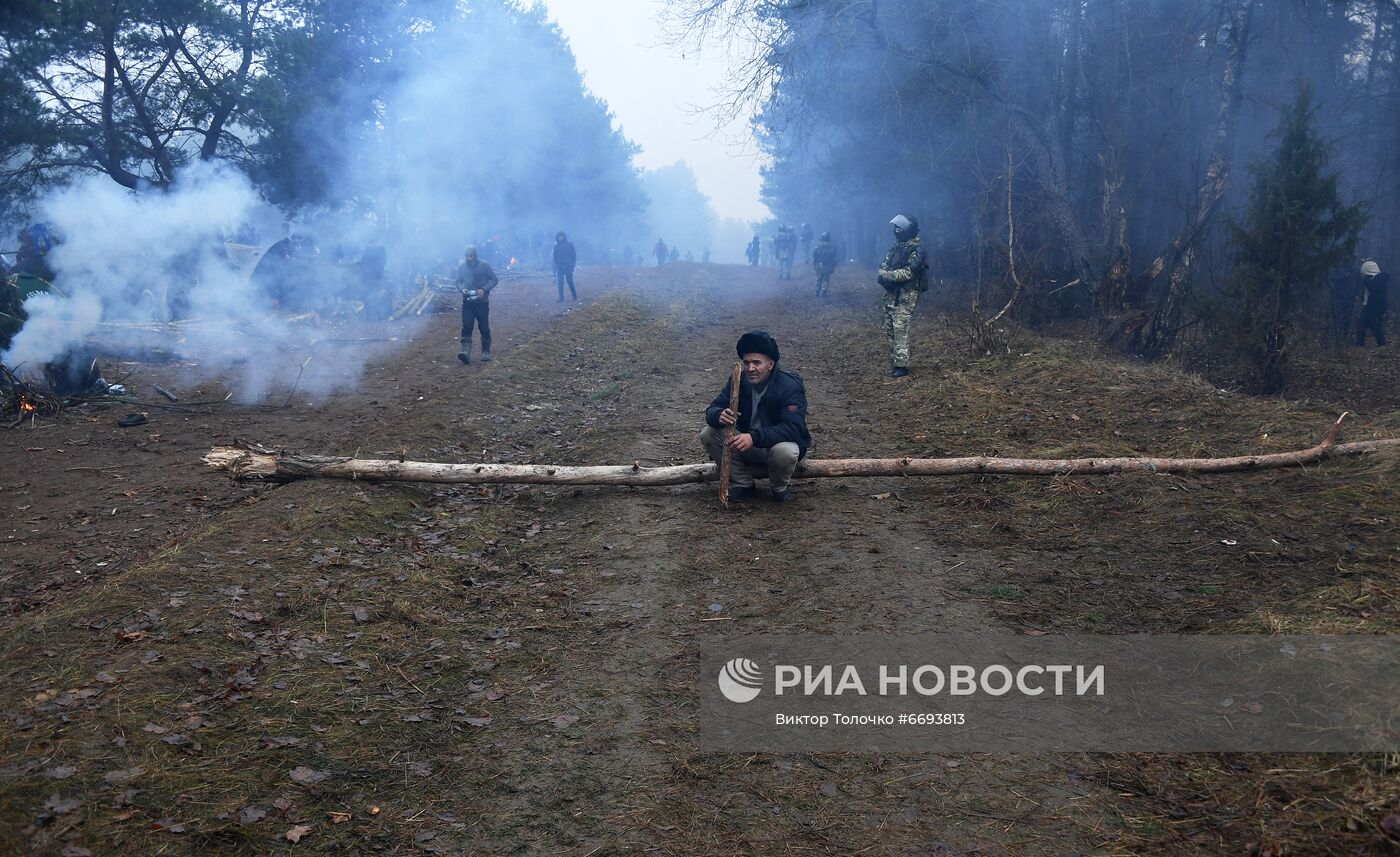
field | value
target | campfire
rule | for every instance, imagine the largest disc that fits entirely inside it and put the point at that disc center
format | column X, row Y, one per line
column 21, row 400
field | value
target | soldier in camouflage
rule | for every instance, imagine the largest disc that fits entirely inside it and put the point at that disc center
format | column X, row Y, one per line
column 824, row 263
column 904, row 275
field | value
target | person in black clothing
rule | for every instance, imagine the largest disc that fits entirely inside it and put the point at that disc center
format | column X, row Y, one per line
column 476, row 280
column 565, row 261
column 770, row 422
column 379, row 301
column 1375, row 285
column 754, row 250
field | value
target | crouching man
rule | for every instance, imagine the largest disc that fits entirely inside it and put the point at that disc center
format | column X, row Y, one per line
column 770, row 421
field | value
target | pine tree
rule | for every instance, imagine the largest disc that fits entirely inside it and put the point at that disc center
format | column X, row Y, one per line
column 1296, row 229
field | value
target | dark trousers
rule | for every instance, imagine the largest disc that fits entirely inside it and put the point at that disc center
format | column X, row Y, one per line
column 476, row 313
column 1372, row 320
column 560, row 277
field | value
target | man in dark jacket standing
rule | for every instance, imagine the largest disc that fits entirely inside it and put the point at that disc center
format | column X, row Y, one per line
column 1375, row 288
column 770, row 422
column 476, row 280
column 565, row 261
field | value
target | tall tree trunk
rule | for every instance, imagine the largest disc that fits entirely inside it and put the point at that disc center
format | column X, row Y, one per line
column 1164, row 320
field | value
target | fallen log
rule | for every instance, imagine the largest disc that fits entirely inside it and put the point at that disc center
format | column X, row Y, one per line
column 251, row 462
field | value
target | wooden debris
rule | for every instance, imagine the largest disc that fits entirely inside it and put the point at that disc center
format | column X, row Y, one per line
column 251, row 462
column 727, row 456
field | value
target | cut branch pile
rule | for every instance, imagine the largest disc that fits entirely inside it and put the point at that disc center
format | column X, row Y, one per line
column 430, row 289
column 251, row 462
column 20, row 400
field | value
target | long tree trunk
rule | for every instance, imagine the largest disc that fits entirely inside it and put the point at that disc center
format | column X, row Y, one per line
column 258, row 463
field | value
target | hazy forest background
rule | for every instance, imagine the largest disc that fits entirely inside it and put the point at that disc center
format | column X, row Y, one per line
column 1212, row 169
column 1203, row 170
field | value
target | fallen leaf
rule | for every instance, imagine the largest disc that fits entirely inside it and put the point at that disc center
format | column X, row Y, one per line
column 887, row 495
column 251, row 815
column 62, row 772
column 122, row 776
column 274, row 742
column 169, row 825
column 339, row 817
column 1391, row 825
column 305, row 776
column 477, row 721
column 178, row 740
column 151, row 727
column 563, row 721
column 106, row 678
column 1032, row 632
column 59, row 805
column 74, row 851
column 374, row 809
column 297, row 832
column 361, row 614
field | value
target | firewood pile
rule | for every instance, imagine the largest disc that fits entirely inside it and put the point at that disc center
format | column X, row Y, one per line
column 430, row 288
column 22, row 400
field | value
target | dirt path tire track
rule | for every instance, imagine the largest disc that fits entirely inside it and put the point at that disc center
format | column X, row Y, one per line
column 835, row 561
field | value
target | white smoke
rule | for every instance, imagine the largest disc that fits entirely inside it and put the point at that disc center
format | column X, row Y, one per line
column 123, row 259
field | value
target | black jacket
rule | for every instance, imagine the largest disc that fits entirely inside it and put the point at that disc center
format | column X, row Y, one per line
column 1377, row 293
column 565, row 256
column 784, row 409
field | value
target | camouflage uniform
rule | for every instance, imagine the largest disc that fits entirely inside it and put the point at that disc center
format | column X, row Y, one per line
column 824, row 262
column 904, row 275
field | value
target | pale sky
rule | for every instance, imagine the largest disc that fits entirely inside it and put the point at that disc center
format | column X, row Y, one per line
column 654, row 92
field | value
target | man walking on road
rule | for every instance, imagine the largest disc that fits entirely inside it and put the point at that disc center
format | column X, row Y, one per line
column 770, row 421
column 660, row 252
column 476, row 280
column 904, row 275
column 565, row 261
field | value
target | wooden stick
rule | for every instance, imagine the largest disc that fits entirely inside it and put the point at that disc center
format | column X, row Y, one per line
column 251, row 462
column 729, row 431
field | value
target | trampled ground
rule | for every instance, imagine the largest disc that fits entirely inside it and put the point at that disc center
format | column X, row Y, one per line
column 192, row 666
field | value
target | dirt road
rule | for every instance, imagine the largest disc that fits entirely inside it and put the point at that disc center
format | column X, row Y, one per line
column 192, row 666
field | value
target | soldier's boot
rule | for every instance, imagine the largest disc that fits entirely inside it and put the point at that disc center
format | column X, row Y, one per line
column 899, row 371
column 465, row 355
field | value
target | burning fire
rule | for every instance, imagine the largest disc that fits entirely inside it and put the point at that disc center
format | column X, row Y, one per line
column 514, row 261
column 26, row 407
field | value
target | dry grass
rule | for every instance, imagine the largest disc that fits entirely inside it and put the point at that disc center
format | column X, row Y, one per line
column 368, row 634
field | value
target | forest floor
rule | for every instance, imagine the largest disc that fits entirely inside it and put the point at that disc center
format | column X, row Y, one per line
column 192, row 666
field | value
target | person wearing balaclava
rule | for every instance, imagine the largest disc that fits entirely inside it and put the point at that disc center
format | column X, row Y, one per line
column 565, row 261
column 476, row 280
column 904, row 275
column 770, row 420
column 1375, row 286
